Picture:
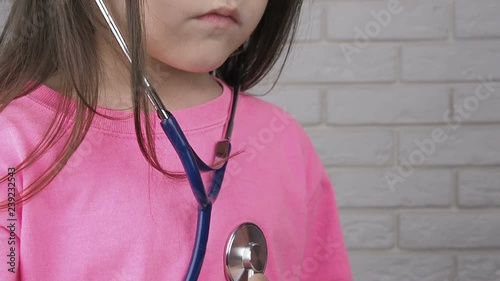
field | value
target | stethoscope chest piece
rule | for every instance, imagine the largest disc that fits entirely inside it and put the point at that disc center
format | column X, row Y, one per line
column 246, row 253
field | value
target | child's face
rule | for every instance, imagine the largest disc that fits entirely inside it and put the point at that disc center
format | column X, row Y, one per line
column 177, row 38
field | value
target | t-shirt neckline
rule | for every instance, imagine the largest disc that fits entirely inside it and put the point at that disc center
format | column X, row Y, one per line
column 199, row 117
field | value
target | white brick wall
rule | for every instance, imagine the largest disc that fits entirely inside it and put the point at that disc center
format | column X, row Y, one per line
column 369, row 231
column 369, row 94
column 363, row 188
column 341, row 24
column 4, row 7
column 370, row 80
column 450, row 61
column 478, row 267
column 377, row 266
column 479, row 188
column 477, row 19
column 408, row 104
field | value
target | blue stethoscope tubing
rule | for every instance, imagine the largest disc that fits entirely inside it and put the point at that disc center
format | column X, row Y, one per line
column 192, row 165
column 191, row 162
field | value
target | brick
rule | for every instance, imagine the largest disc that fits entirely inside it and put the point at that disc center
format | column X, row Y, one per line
column 462, row 61
column 398, row 267
column 475, row 19
column 479, row 267
column 479, row 188
column 461, row 146
column 446, row 230
column 368, row 231
column 327, row 62
column 361, row 188
column 4, row 12
column 304, row 103
column 407, row 105
column 310, row 24
column 379, row 20
column 480, row 101
column 350, row 148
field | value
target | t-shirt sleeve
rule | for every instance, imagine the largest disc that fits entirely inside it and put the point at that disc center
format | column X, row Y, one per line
column 325, row 256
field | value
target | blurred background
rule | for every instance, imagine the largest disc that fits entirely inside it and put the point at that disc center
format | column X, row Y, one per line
column 402, row 102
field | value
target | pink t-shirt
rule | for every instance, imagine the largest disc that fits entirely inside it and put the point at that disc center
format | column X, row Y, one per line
column 109, row 216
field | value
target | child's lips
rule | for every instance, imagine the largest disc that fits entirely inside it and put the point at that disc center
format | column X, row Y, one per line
column 222, row 14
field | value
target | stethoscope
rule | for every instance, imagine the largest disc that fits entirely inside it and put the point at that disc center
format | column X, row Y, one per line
column 246, row 250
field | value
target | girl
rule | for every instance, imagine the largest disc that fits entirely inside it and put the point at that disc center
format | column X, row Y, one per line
column 91, row 188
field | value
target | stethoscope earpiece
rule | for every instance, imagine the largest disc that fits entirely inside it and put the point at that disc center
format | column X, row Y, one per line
column 246, row 253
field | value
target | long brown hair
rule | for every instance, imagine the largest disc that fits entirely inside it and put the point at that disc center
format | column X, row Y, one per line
column 43, row 38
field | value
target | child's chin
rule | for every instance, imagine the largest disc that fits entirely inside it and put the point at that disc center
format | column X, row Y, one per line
column 203, row 68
